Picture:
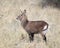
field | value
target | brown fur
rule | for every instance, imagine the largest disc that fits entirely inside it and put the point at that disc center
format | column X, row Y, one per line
column 32, row 27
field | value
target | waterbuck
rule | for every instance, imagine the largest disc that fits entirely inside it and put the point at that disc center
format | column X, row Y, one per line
column 33, row 27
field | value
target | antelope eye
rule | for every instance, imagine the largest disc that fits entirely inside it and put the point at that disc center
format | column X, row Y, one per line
column 20, row 14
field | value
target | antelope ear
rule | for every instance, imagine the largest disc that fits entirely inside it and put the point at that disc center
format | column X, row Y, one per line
column 24, row 10
column 20, row 10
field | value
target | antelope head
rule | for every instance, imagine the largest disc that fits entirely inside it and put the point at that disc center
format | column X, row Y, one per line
column 22, row 16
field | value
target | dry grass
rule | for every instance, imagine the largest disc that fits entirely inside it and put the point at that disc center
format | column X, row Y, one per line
column 12, row 35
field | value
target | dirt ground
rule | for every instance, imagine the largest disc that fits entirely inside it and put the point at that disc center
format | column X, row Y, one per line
column 12, row 35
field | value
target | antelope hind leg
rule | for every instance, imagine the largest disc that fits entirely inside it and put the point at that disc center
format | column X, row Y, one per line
column 44, row 37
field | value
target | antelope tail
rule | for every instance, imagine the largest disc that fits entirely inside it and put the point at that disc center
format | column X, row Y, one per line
column 45, row 28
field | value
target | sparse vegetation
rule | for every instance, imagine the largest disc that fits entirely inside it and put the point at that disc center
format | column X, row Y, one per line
column 12, row 35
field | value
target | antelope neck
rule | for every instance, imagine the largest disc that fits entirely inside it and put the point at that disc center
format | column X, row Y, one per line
column 24, row 23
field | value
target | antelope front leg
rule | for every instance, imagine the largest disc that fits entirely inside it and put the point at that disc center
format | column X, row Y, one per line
column 31, row 37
